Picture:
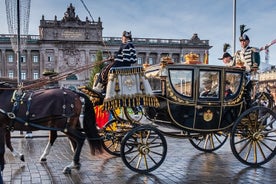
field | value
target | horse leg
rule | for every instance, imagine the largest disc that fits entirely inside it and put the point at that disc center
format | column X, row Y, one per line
column 52, row 138
column 2, row 148
column 73, row 144
column 79, row 140
column 15, row 153
column 1, row 178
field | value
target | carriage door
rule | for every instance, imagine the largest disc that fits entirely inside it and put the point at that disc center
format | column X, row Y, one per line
column 208, row 106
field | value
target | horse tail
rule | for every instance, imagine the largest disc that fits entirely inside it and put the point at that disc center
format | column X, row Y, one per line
column 89, row 125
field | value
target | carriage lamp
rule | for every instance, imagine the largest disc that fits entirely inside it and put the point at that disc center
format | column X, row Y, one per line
column 163, row 74
column 255, row 76
column 254, row 73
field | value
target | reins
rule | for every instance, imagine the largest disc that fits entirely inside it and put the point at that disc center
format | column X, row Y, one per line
column 54, row 77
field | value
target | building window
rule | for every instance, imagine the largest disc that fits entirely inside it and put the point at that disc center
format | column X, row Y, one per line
column 140, row 61
column 23, row 75
column 23, row 59
column 10, row 58
column 35, row 59
column 151, row 61
column 10, row 74
column 35, row 75
column 93, row 58
column 50, row 59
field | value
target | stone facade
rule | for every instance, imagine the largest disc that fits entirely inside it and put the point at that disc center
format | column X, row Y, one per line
column 268, row 79
column 69, row 43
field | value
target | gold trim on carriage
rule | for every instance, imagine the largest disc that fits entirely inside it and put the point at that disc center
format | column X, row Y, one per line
column 197, row 97
column 128, row 87
column 203, row 103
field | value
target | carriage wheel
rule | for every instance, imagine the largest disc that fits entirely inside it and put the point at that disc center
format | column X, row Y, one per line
column 149, row 149
column 253, row 137
column 209, row 142
column 113, row 132
column 134, row 114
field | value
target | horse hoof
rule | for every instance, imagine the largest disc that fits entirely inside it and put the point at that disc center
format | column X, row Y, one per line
column 66, row 170
column 76, row 166
column 43, row 159
column 22, row 158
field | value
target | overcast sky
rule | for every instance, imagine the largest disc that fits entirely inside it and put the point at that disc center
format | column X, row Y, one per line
column 169, row 19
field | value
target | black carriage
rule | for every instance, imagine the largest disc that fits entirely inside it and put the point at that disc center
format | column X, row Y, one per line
column 202, row 103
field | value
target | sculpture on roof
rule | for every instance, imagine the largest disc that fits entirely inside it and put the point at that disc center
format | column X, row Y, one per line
column 70, row 14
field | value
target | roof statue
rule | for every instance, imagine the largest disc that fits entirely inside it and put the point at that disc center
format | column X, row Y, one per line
column 70, row 14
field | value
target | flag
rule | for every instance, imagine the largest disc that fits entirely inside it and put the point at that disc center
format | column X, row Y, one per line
column 206, row 59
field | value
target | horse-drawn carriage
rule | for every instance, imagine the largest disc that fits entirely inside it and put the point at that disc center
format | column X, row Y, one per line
column 202, row 103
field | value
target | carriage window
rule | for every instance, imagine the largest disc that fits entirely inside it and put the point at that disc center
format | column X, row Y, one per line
column 209, row 84
column 181, row 80
column 232, row 84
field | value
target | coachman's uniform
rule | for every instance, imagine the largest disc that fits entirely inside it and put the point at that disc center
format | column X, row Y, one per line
column 125, row 56
column 249, row 56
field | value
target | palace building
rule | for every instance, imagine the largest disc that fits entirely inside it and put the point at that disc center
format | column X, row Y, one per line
column 69, row 43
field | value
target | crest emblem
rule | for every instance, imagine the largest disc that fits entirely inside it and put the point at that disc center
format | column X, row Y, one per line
column 129, row 82
column 208, row 115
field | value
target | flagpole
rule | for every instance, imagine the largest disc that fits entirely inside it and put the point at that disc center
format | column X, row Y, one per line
column 234, row 27
column 18, row 45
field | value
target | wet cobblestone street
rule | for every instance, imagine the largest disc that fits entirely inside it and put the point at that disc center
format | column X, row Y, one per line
column 183, row 164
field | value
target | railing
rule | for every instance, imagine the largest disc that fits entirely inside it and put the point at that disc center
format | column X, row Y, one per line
column 30, row 38
column 154, row 41
column 117, row 40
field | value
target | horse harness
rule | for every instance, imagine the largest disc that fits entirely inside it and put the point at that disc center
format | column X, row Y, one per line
column 19, row 97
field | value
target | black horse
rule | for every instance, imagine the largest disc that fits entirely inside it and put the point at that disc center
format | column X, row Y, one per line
column 48, row 109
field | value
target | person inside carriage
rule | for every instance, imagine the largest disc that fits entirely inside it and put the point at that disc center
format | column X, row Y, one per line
column 249, row 58
column 125, row 56
column 210, row 89
column 228, row 92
